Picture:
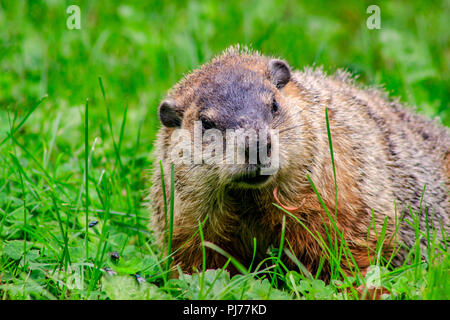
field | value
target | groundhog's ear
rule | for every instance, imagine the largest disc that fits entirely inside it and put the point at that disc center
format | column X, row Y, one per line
column 169, row 114
column 280, row 72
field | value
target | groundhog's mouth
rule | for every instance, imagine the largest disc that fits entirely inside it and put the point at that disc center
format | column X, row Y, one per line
column 252, row 178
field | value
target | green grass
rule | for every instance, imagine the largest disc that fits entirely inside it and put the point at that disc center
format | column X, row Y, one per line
column 78, row 121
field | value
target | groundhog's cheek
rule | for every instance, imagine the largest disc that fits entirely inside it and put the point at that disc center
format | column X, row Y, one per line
column 231, row 170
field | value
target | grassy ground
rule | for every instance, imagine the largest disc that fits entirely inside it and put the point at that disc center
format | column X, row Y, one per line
column 57, row 243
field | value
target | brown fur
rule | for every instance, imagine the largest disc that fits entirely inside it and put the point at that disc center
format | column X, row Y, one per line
column 384, row 155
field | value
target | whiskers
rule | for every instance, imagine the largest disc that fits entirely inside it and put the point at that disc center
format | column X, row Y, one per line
column 280, row 121
column 290, row 128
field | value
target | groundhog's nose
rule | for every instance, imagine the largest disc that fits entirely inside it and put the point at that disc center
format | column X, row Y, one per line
column 263, row 150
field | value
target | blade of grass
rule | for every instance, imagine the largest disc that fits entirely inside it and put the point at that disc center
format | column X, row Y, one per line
column 171, row 212
column 16, row 128
column 235, row 262
column 202, row 275
column 108, row 114
column 86, row 175
column 280, row 251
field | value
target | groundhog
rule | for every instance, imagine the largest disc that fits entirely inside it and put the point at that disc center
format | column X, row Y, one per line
column 384, row 156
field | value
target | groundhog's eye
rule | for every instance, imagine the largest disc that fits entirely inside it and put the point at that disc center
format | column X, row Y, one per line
column 207, row 124
column 275, row 106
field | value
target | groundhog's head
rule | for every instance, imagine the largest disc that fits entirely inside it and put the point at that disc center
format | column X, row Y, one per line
column 228, row 122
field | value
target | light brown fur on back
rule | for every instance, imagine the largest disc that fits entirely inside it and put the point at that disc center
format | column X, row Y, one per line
column 384, row 156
